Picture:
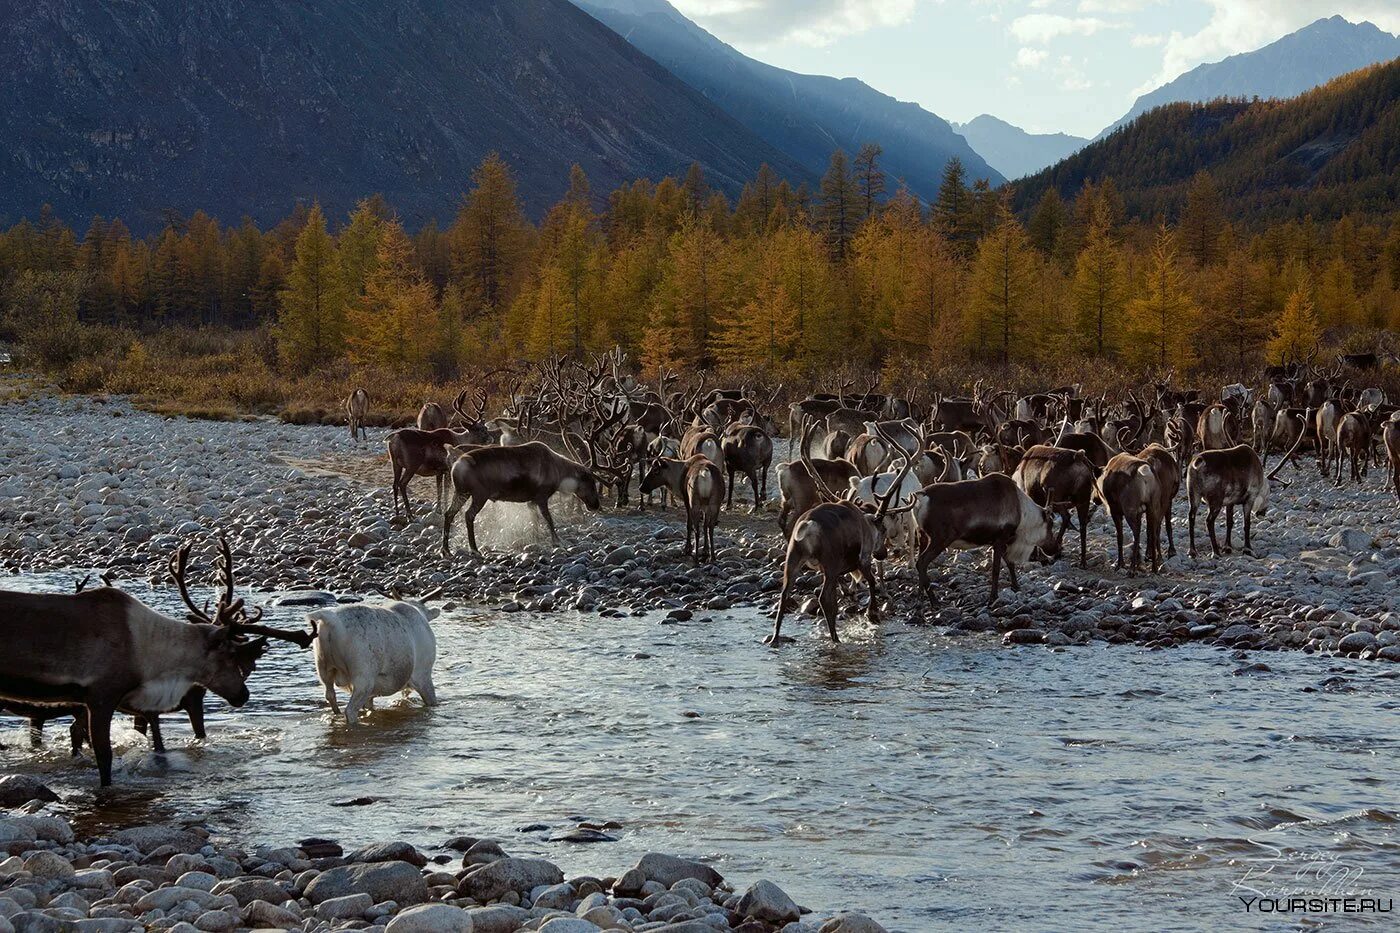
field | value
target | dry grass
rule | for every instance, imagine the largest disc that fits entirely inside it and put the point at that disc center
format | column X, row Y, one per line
column 226, row 375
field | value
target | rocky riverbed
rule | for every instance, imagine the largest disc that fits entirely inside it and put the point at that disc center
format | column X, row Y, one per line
column 93, row 483
column 182, row 879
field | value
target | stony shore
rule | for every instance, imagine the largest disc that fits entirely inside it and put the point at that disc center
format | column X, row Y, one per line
column 181, row 879
column 96, row 484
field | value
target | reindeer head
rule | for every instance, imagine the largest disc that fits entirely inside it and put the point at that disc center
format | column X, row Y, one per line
column 234, row 640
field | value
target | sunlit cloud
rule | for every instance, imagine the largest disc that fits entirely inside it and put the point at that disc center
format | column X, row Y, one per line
column 805, row 22
column 1043, row 28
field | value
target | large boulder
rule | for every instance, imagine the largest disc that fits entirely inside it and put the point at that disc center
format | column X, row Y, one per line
column 388, row 852
column 156, row 836
column 498, row 918
column 766, row 902
column 668, row 869
column 246, row 890
column 851, row 923
column 18, row 789
column 432, row 918
column 382, row 881
column 493, row 880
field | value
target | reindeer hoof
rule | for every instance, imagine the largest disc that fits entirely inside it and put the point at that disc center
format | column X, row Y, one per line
column 777, row 641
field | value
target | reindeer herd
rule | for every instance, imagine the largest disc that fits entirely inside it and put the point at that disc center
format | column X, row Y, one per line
column 867, row 474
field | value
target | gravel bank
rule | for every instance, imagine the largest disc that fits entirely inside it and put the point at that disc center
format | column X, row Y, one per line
column 179, row 878
column 92, row 483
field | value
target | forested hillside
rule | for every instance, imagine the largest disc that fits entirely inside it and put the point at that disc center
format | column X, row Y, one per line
column 1332, row 151
column 778, row 285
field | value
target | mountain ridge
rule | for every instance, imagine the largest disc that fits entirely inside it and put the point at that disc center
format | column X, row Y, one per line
column 1013, row 151
column 1286, row 67
column 245, row 107
column 806, row 116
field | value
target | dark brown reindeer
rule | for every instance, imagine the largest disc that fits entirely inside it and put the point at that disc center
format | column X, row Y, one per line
column 104, row 650
column 1354, row 439
column 530, row 473
column 356, row 408
column 1224, row 479
column 417, row 452
column 800, row 491
column 1127, row 487
column 1168, row 484
column 747, row 449
column 699, row 485
column 988, row 512
column 836, row 538
column 1060, row 479
column 1391, row 435
column 431, row 417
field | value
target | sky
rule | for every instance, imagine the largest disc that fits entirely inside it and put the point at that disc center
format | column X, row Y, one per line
column 1046, row 65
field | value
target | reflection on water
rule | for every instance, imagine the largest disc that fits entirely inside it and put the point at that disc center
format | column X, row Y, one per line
column 936, row 784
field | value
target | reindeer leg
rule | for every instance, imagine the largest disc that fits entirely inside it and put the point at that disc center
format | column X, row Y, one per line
column 1135, row 523
column 36, row 732
column 1244, row 510
column 1211, row 512
column 1229, row 528
column 1083, row 535
column 1171, row 543
column 157, row 740
column 753, row 482
column 543, row 506
column 77, row 735
column 827, row 599
column 729, row 491
column 1118, row 528
column 100, row 734
column 789, row 577
column 470, row 519
column 1191, row 525
column 996, row 574
column 867, row 573
column 194, row 706
column 448, row 517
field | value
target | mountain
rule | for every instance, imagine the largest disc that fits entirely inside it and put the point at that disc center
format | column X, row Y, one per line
column 245, row 106
column 1011, row 150
column 806, row 116
column 1301, row 60
column 1330, row 151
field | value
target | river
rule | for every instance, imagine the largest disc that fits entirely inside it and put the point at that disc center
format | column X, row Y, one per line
column 932, row 783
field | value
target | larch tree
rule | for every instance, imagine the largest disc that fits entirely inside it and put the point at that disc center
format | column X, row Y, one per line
column 1162, row 319
column 1296, row 333
column 1232, row 321
column 1100, row 290
column 870, row 178
column 1338, row 306
column 395, row 321
column 359, row 245
column 953, row 208
column 489, row 239
column 838, row 205
column 1202, row 220
column 1001, row 282
column 312, row 319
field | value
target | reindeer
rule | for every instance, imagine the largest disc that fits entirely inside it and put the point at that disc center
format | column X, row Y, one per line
column 1223, row 479
column 699, row 439
column 431, row 417
column 869, row 453
column 356, row 407
column 749, row 450
column 1211, row 430
column 1261, row 419
column 416, row 452
column 988, row 512
column 525, row 473
column 1325, row 423
column 1127, row 487
column 699, row 485
column 1092, row 446
column 1354, row 437
column 837, row 538
column 799, row 490
column 1168, row 473
column 835, row 445
column 1391, row 436
column 1059, row 479
column 104, row 650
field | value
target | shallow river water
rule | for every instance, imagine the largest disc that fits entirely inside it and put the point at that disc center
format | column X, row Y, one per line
column 932, row 783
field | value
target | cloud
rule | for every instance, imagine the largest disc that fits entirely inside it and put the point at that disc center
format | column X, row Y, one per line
column 805, row 22
column 1244, row 25
column 1071, row 76
column 1031, row 58
column 1142, row 41
column 1042, row 28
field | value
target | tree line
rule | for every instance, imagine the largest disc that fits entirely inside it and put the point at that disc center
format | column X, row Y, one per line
column 858, row 272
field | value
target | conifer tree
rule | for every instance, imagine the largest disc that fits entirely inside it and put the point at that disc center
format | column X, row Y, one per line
column 1163, row 318
column 311, row 323
column 1100, row 290
column 838, row 207
column 1296, row 334
column 1000, row 290
column 870, row 178
column 395, row 320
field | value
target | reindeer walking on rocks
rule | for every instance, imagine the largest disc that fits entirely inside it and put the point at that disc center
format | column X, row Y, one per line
column 356, row 408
